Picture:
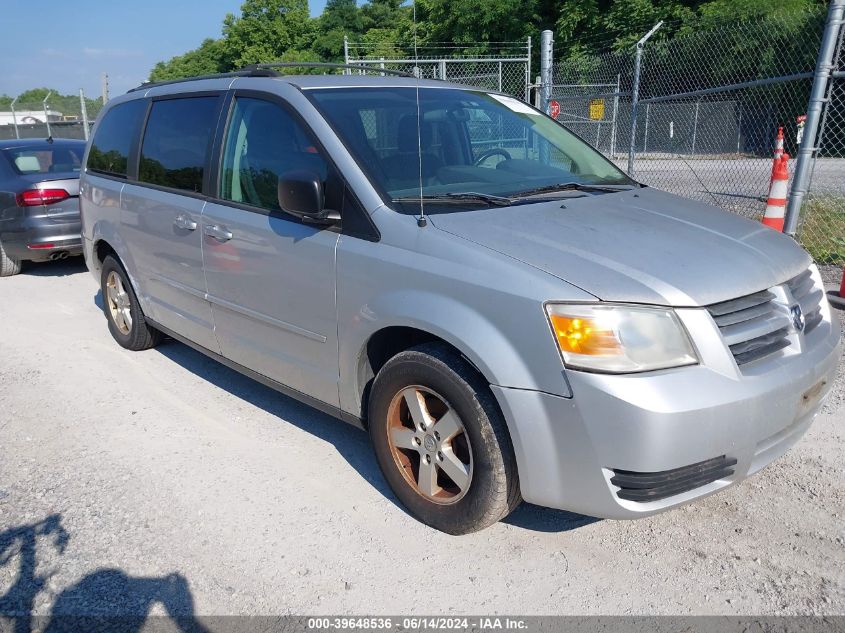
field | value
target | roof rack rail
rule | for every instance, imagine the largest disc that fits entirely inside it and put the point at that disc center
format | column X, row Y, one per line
column 246, row 72
column 327, row 65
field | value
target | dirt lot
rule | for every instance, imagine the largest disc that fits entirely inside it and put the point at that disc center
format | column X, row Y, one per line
column 128, row 479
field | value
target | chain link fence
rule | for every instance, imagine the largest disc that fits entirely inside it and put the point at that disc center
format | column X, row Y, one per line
column 61, row 116
column 710, row 103
column 506, row 69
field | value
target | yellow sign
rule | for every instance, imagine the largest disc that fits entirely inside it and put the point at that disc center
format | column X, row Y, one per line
column 596, row 109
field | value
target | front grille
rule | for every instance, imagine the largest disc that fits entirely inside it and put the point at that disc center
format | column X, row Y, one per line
column 809, row 296
column 753, row 326
column 642, row 487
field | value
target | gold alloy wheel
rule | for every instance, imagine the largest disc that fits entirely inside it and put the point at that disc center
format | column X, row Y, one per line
column 429, row 444
column 118, row 302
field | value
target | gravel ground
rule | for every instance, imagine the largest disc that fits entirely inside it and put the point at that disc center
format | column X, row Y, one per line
column 162, row 478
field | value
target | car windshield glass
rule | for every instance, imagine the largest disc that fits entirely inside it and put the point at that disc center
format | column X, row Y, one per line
column 45, row 160
column 464, row 141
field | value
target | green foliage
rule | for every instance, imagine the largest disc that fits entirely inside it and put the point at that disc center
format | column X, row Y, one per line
column 271, row 30
column 211, row 57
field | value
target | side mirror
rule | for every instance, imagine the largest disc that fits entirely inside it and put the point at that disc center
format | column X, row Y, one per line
column 301, row 193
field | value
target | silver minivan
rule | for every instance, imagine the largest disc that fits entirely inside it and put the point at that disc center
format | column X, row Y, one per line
column 506, row 312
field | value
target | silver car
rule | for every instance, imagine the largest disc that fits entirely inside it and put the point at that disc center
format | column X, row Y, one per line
column 507, row 313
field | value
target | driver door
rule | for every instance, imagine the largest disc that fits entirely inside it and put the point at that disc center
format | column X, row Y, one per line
column 271, row 278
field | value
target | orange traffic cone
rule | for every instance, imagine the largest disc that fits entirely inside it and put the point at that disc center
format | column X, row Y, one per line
column 776, row 204
column 779, row 144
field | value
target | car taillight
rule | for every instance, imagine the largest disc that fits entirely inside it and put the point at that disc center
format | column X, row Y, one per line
column 36, row 197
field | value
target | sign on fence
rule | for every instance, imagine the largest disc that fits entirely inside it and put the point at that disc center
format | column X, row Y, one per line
column 554, row 109
column 596, row 109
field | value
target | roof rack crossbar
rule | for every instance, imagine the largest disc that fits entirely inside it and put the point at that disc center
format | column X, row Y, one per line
column 369, row 67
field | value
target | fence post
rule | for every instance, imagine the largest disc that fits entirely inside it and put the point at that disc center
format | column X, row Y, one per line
column 528, row 72
column 47, row 116
column 500, row 76
column 615, row 113
column 15, row 118
column 635, row 93
column 546, row 53
column 84, row 111
column 645, row 131
column 818, row 98
column 695, row 125
column 443, row 69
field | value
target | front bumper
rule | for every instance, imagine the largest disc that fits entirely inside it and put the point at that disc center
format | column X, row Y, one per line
column 568, row 448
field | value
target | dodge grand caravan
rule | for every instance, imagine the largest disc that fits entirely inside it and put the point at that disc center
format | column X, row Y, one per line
column 507, row 313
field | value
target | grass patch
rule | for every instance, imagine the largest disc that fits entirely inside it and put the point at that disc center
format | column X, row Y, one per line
column 823, row 229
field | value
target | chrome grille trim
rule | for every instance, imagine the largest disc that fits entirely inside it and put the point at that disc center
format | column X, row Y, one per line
column 758, row 325
column 809, row 296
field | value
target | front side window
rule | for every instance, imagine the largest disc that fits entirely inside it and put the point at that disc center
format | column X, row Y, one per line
column 263, row 143
column 459, row 141
column 176, row 142
column 109, row 153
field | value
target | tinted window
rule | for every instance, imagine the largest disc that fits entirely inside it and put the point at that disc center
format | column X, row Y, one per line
column 263, row 142
column 176, row 142
column 110, row 148
column 45, row 160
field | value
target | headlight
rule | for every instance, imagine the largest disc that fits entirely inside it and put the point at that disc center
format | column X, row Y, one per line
column 619, row 338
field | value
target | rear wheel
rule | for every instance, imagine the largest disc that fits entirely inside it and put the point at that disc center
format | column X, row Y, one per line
column 441, row 442
column 126, row 320
column 8, row 265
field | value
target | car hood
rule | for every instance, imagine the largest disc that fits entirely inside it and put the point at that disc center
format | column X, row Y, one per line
column 638, row 246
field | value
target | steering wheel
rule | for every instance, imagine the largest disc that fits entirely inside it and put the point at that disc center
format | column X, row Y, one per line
column 495, row 151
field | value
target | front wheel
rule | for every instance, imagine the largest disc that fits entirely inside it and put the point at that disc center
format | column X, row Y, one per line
column 441, row 442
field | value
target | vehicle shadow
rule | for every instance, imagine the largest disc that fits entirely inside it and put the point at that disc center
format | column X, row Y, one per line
column 352, row 443
column 103, row 596
column 540, row 519
column 58, row 268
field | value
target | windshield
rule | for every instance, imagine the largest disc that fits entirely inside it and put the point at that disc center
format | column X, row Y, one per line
column 46, row 159
column 466, row 142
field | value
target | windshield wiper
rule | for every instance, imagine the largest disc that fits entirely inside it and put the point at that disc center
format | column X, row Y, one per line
column 467, row 196
column 571, row 186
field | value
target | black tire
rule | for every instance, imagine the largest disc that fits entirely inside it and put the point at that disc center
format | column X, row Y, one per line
column 140, row 334
column 493, row 489
column 8, row 265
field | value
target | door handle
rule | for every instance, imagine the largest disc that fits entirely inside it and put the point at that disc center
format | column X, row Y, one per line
column 184, row 222
column 219, row 233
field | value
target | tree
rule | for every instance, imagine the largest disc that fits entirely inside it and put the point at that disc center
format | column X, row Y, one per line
column 266, row 30
column 340, row 18
column 211, row 57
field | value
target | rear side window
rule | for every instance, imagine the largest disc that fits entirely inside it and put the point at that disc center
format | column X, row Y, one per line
column 176, row 142
column 109, row 152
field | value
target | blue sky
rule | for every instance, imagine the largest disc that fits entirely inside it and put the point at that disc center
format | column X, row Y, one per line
column 67, row 46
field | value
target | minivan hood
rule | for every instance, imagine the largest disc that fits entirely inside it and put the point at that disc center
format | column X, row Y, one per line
column 638, row 246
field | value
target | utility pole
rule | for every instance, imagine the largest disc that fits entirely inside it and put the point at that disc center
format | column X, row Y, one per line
column 105, row 87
